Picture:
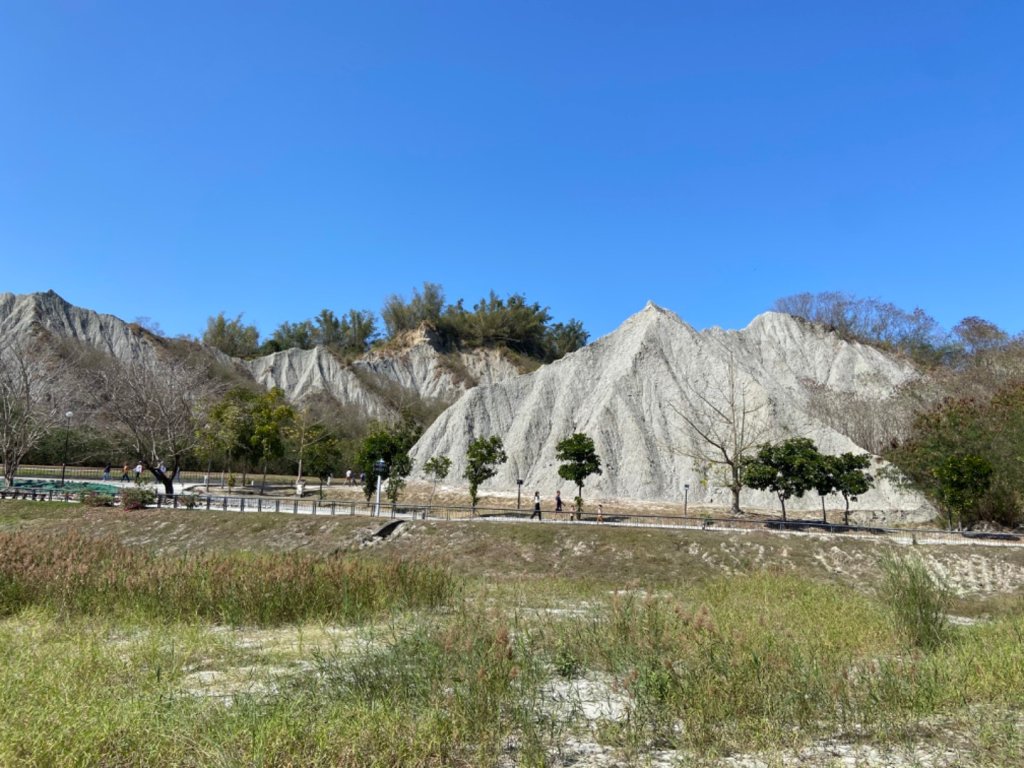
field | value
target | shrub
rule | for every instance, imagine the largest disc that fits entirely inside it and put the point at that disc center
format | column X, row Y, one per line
column 96, row 499
column 137, row 498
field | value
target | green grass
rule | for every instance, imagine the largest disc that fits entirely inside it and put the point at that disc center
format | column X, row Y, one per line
column 120, row 655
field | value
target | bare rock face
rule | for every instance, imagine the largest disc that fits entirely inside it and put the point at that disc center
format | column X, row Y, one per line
column 39, row 317
column 631, row 389
column 378, row 383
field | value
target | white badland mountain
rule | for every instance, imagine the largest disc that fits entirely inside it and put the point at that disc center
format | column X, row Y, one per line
column 46, row 318
column 377, row 383
column 631, row 389
column 380, row 381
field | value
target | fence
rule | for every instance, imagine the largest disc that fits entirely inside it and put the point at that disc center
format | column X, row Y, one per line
column 297, row 506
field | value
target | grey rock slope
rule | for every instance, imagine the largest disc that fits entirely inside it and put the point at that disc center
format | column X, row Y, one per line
column 629, row 389
column 378, row 383
column 42, row 317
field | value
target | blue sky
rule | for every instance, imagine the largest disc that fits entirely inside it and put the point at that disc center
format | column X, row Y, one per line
column 174, row 160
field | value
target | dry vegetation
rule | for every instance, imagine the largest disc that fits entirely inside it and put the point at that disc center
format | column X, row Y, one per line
column 528, row 644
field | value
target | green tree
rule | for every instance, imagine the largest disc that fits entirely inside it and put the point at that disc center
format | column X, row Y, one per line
column 292, row 336
column 323, row 453
column 579, row 461
column 483, row 457
column 231, row 422
column 390, row 445
column 989, row 427
column 787, row 469
column 849, row 477
column 424, row 307
column 232, row 337
column 271, row 415
column 963, row 481
column 438, row 468
column 563, row 338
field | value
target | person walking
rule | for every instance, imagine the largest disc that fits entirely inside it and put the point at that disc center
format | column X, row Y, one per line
column 106, row 471
column 536, row 506
column 124, row 474
column 138, row 471
column 558, row 501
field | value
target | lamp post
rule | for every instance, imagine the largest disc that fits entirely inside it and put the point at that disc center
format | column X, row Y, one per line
column 64, row 458
column 379, row 466
column 686, row 494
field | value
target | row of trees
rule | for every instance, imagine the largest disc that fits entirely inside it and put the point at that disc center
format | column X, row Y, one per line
column 513, row 323
column 386, row 453
column 793, row 467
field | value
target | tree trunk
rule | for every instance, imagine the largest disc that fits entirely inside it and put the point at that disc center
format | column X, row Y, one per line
column 782, row 500
column 824, row 519
column 736, row 499
column 846, row 513
column 263, row 482
column 167, row 482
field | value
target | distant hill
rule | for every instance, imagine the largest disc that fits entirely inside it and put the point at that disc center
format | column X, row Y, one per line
column 379, row 383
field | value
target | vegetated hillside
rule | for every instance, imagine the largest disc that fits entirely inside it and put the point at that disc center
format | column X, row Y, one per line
column 632, row 390
column 414, row 372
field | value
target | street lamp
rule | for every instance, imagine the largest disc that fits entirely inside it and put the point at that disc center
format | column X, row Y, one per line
column 379, row 466
column 686, row 494
column 64, row 459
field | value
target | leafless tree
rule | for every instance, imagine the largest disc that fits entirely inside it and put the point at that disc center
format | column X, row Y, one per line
column 723, row 420
column 34, row 397
column 159, row 406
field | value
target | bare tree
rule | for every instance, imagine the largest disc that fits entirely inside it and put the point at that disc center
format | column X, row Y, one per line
column 159, row 406
column 34, row 396
column 724, row 422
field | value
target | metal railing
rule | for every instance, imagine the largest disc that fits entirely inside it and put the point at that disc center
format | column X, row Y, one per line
column 455, row 513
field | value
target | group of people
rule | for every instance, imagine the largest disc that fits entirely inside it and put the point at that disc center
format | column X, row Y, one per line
column 125, row 478
column 558, row 508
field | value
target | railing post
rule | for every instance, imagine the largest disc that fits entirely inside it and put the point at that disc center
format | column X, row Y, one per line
column 241, row 505
column 277, row 505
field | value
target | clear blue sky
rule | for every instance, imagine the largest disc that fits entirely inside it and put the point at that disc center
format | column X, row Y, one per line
column 177, row 159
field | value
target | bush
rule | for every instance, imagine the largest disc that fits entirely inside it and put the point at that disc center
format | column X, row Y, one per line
column 137, row 498
column 918, row 603
column 96, row 499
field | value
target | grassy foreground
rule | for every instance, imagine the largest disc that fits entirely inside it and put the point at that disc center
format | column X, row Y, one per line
column 121, row 655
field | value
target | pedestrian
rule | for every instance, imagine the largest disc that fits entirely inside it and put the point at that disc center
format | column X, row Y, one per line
column 558, row 501
column 348, row 477
column 124, row 474
column 138, row 472
column 162, row 468
column 106, row 471
column 536, row 506
column 600, row 513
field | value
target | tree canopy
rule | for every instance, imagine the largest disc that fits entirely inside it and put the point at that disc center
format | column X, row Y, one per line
column 483, row 457
column 579, row 461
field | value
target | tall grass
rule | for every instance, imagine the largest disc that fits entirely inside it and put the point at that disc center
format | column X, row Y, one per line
column 78, row 575
column 919, row 604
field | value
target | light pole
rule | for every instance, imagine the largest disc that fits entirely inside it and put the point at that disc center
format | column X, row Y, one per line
column 686, row 494
column 64, row 458
column 378, row 466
